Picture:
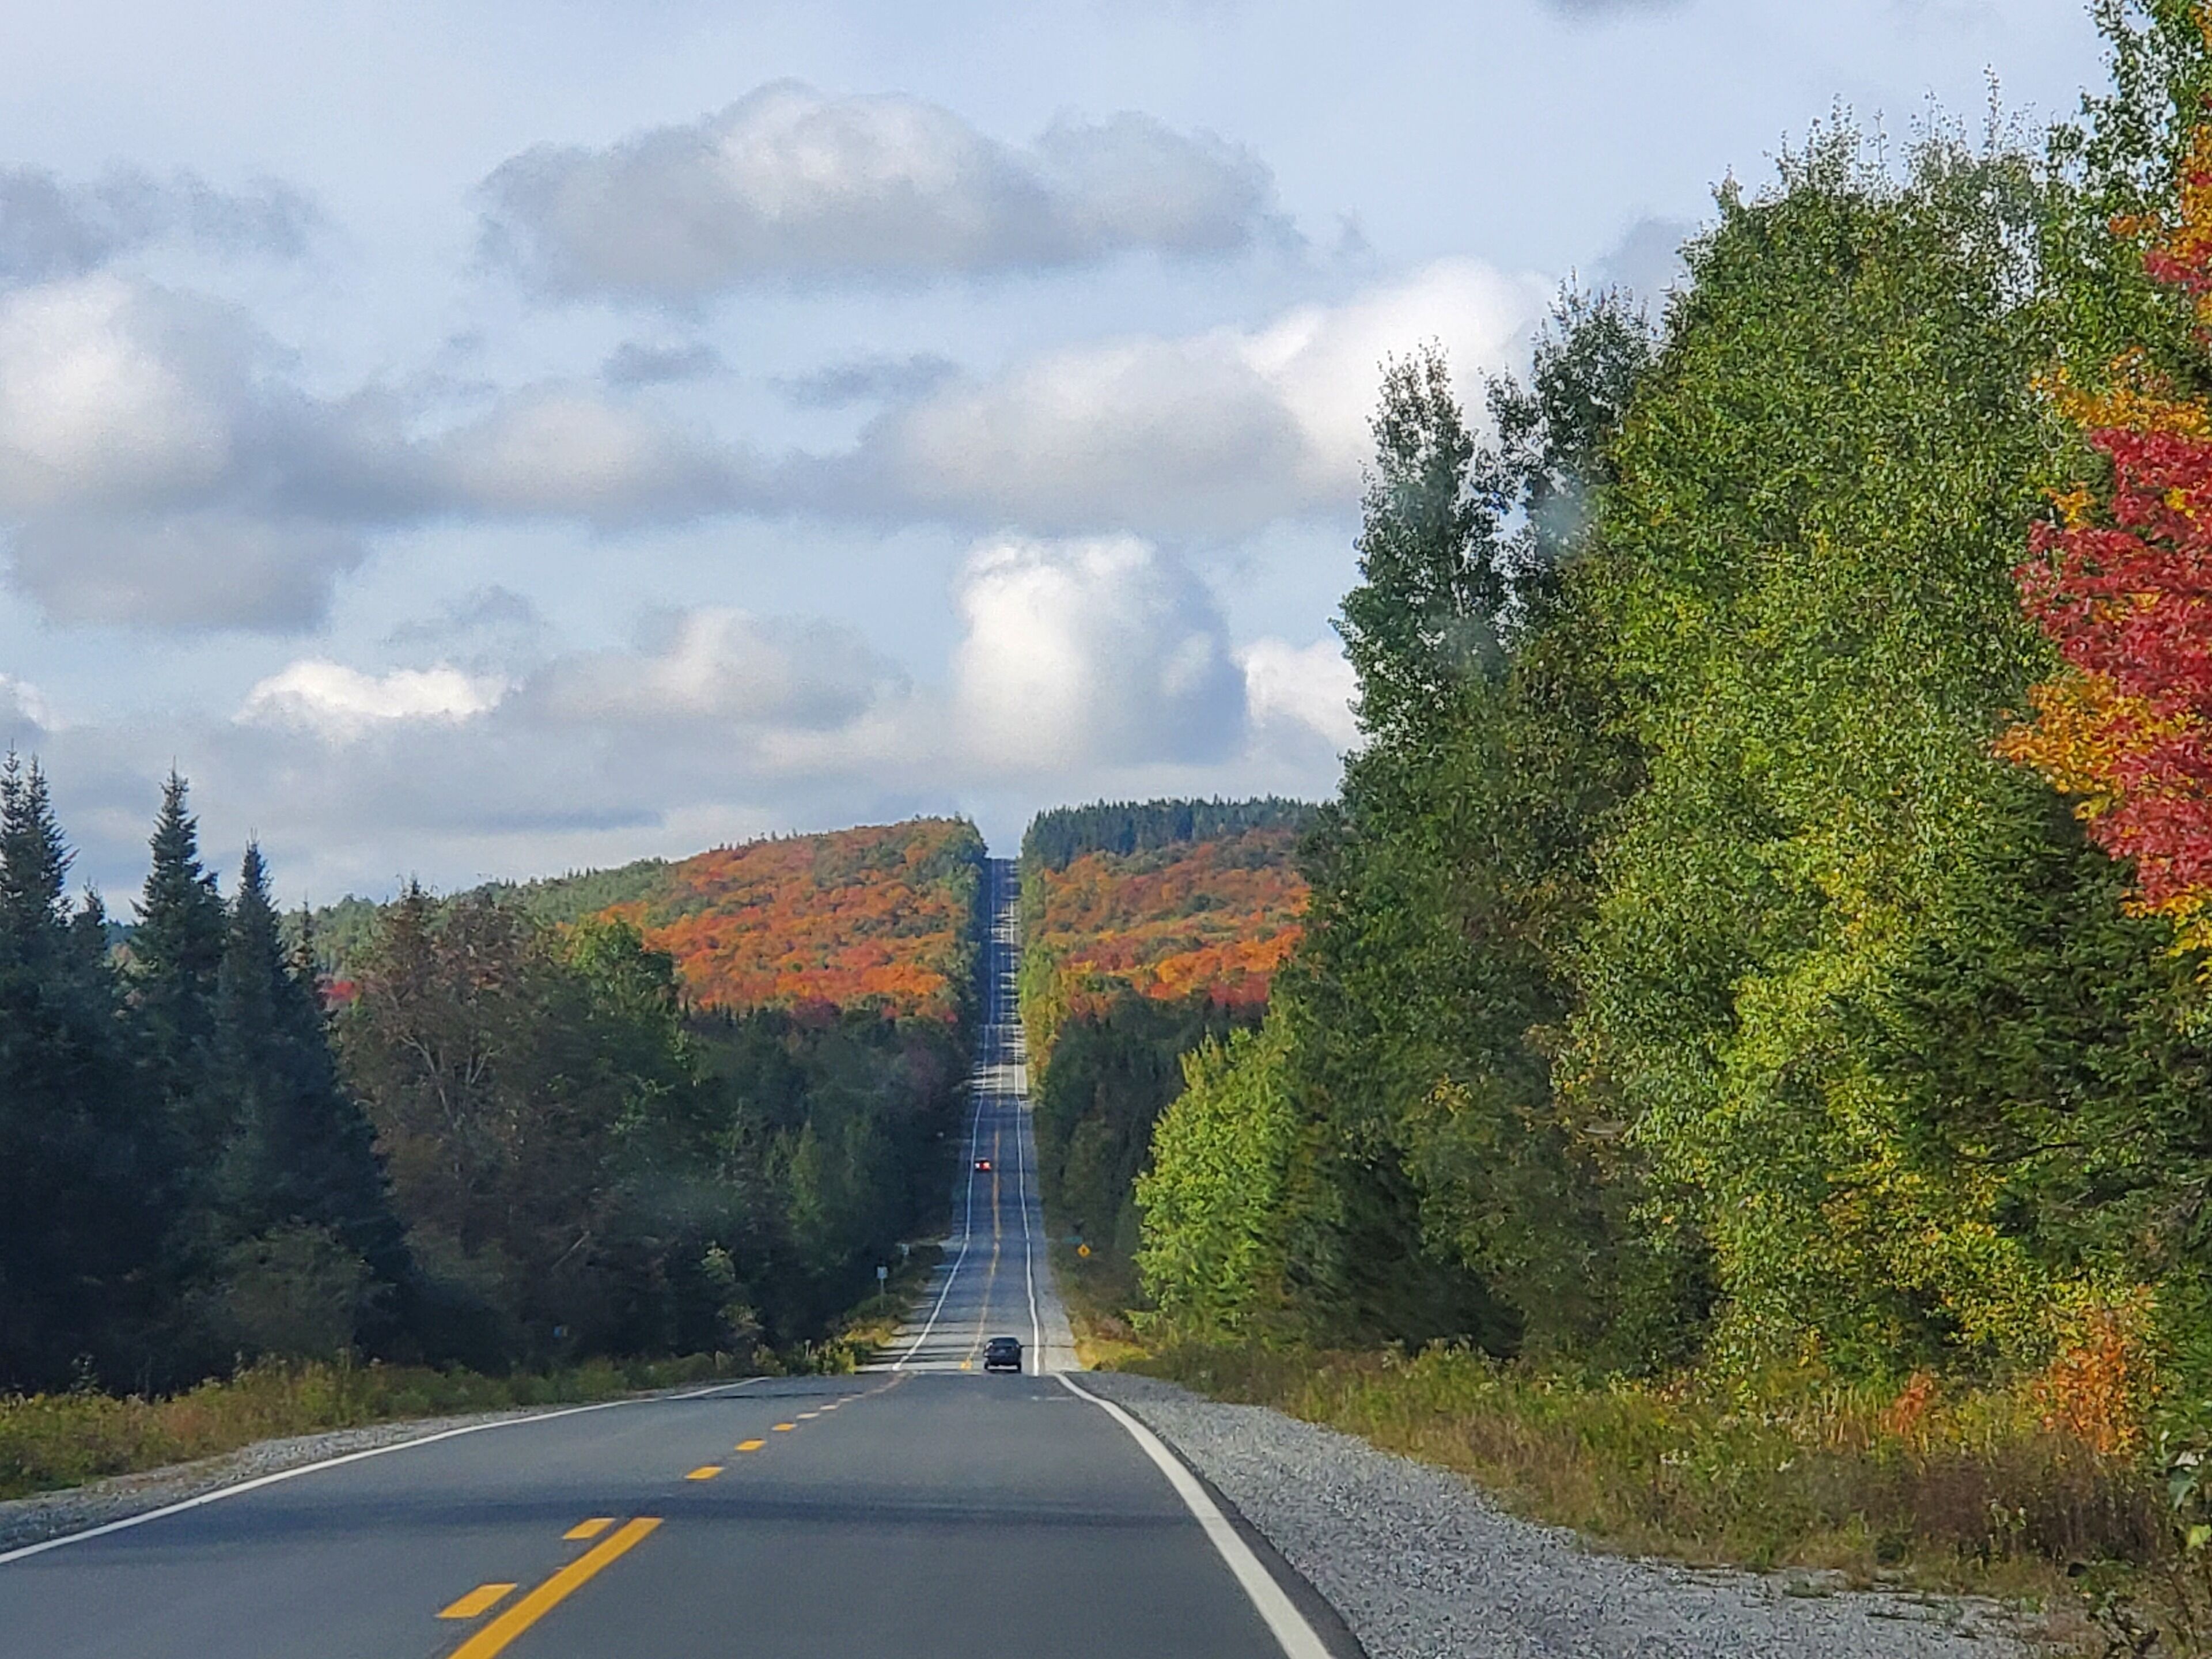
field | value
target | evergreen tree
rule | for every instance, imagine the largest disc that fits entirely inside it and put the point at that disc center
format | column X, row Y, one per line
column 176, row 954
column 299, row 1150
column 83, row 1190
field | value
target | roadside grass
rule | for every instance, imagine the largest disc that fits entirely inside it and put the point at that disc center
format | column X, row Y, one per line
column 1095, row 1289
column 872, row 1326
column 49, row 1441
column 1973, row 1490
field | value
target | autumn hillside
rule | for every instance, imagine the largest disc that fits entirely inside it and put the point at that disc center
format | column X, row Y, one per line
column 882, row 916
column 1175, row 901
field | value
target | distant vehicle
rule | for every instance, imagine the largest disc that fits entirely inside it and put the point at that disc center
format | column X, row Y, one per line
column 1002, row 1354
column 983, row 1164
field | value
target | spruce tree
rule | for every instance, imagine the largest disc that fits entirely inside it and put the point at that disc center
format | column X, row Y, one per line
column 83, row 1194
column 176, row 957
column 299, row 1150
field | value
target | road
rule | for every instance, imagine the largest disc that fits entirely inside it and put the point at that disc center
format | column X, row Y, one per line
column 920, row 1510
column 995, row 1280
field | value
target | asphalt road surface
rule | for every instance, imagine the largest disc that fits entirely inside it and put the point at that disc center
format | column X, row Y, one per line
column 994, row 1280
column 916, row 1511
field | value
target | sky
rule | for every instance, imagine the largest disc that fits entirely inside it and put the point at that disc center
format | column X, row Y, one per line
column 489, row 439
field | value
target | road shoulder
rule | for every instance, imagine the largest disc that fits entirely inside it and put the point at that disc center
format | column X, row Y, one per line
column 1418, row 1563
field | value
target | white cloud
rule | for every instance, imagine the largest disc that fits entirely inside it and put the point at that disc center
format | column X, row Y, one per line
column 1103, row 650
column 1215, row 433
column 340, row 704
column 789, row 184
column 1310, row 687
column 103, row 396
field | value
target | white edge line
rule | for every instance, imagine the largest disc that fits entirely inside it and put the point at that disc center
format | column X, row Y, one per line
column 967, row 1232
column 201, row 1499
column 1292, row 1633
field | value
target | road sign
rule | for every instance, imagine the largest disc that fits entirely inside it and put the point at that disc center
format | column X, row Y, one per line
column 882, row 1274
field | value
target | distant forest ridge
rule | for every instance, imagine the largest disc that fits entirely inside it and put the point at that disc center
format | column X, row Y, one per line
column 878, row 915
column 1056, row 838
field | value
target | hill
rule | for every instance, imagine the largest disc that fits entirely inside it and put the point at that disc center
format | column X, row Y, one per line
column 882, row 916
column 1172, row 900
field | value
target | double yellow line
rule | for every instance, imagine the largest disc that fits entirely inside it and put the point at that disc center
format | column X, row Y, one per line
column 494, row 1637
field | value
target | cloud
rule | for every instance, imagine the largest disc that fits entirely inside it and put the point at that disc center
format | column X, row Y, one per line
column 564, row 451
column 188, row 570
column 722, row 666
column 50, row 229
column 342, row 703
column 1104, row 650
column 1213, row 434
column 1648, row 258
column 867, row 380
column 789, row 185
column 495, row 622
column 631, row 364
column 1309, row 688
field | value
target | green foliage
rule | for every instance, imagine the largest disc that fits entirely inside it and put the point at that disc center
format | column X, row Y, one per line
column 1214, row 1201
column 1111, row 1075
column 1058, row 837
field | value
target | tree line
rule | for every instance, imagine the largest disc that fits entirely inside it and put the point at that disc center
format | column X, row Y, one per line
column 1702, row 966
column 513, row 1144
column 1057, row 837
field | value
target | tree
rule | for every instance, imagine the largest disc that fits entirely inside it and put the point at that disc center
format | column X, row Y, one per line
column 176, row 955
column 85, row 1168
column 298, row 1155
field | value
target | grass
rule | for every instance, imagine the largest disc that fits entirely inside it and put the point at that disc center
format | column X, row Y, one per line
column 1096, row 1289
column 1960, row 1490
column 49, row 1441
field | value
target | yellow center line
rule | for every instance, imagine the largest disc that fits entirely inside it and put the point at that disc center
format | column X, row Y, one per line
column 591, row 1529
column 750, row 1445
column 479, row 1599
column 785, row 1428
column 494, row 1637
column 704, row 1472
column 990, row 1278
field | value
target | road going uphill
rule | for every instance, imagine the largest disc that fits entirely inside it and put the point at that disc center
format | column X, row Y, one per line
column 922, row 1510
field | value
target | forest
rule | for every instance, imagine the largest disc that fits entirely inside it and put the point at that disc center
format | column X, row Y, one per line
column 500, row 1142
column 1759, row 951
column 1147, row 928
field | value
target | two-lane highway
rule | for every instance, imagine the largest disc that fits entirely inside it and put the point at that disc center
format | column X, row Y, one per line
column 995, row 1280
column 920, row 1512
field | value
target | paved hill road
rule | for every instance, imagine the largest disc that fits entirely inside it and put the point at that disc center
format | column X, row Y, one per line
column 995, row 1280
column 921, row 1510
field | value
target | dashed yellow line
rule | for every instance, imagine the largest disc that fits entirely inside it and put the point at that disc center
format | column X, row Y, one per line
column 785, row 1428
column 495, row 1638
column 591, row 1529
column 750, row 1445
column 481, row 1599
column 704, row 1472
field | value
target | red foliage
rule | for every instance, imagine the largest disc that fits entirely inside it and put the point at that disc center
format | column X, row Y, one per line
column 1214, row 919
column 878, row 916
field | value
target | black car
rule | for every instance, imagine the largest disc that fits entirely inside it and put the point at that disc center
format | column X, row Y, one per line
column 1002, row 1354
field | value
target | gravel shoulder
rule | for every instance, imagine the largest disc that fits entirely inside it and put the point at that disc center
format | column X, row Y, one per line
column 1421, row 1565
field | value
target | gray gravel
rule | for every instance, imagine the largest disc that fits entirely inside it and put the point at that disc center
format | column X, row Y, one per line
column 1421, row 1565
column 49, row 1515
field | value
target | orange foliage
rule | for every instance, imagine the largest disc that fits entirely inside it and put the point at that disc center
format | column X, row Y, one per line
column 879, row 916
column 2097, row 1388
column 1213, row 918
